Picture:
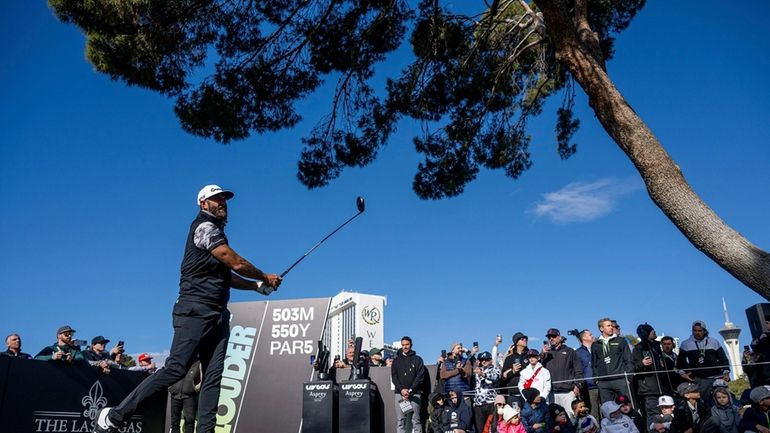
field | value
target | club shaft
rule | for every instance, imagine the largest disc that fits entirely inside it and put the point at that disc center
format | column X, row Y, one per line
column 318, row 244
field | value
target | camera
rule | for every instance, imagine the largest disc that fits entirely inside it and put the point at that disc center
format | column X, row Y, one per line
column 79, row 343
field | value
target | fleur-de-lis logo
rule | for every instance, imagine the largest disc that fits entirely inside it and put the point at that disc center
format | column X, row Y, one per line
column 94, row 401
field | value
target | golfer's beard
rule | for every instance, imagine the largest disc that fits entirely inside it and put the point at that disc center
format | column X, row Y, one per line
column 220, row 212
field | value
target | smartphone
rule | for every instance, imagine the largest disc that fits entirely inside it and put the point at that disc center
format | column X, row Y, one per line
column 120, row 342
column 443, row 353
column 312, row 359
column 475, row 344
column 746, row 348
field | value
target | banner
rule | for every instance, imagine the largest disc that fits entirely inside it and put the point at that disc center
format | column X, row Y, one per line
column 47, row 397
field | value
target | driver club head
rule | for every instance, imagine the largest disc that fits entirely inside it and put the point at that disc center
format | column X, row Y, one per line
column 360, row 203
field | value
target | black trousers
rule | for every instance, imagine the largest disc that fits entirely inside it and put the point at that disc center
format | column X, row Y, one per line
column 480, row 415
column 187, row 406
column 611, row 389
column 199, row 330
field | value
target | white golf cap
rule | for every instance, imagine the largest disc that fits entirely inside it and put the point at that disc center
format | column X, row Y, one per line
column 209, row 191
column 665, row 400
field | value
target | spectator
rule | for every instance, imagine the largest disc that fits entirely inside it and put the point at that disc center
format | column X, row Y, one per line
column 667, row 346
column 460, row 416
column 144, row 363
column 691, row 414
column 345, row 363
column 63, row 351
column 751, row 366
column 619, row 333
column 407, row 376
column 627, row 409
column 589, row 392
column 534, row 414
column 611, row 362
column 560, row 420
column 724, row 410
column 375, row 357
column 661, row 423
column 510, row 422
column 98, row 357
column 486, row 375
column 184, row 399
column 439, row 416
column 760, row 353
column 534, row 375
column 456, row 370
column 493, row 421
column 757, row 417
column 651, row 375
column 614, row 421
column 514, row 362
column 702, row 359
column 565, row 369
column 581, row 412
column 498, row 357
column 13, row 344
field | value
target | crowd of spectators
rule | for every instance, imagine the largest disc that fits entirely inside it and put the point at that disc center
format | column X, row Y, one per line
column 610, row 384
column 70, row 351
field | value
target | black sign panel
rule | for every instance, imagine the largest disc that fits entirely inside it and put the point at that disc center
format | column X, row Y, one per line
column 40, row 396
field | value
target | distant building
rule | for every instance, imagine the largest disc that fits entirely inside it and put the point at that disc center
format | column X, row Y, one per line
column 354, row 315
column 730, row 334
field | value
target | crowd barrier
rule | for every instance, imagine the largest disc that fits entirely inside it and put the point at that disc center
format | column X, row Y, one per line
column 47, row 397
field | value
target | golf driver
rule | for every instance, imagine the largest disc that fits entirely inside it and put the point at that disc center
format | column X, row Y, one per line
column 359, row 204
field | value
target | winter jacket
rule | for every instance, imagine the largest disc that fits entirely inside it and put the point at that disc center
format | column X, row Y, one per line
column 407, row 372
column 752, row 417
column 188, row 385
column 584, row 355
column 651, row 380
column 460, row 415
column 683, row 417
column 705, row 353
column 456, row 379
column 538, row 415
column 46, row 354
column 485, row 386
column 504, row 427
column 727, row 415
column 565, row 368
column 511, row 379
column 620, row 424
column 541, row 380
column 666, row 420
column 611, row 357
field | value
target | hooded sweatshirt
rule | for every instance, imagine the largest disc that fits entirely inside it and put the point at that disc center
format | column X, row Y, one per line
column 621, row 423
column 727, row 415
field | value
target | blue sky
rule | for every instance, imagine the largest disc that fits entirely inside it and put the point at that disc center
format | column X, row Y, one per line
column 100, row 183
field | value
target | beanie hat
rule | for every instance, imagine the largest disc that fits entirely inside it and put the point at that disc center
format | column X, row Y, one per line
column 530, row 394
column 555, row 410
column 760, row 393
column 509, row 412
column 643, row 331
column 700, row 323
column 499, row 398
column 453, row 345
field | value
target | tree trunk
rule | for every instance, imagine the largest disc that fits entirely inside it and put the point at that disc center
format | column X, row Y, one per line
column 664, row 180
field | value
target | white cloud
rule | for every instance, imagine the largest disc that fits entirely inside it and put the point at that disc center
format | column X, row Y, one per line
column 584, row 201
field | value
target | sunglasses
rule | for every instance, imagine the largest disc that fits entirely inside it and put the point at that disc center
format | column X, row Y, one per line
column 67, row 333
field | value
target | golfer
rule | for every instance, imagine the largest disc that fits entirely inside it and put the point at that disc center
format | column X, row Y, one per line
column 200, row 316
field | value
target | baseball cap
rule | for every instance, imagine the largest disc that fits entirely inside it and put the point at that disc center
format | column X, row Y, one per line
column 374, row 351
column 99, row 339
column 622, row 399
column 665, row 400
column 484, row 355
column 552, row 332
column 532, row 352
column 65, row 328
column 209, row 191
column 144, row 357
